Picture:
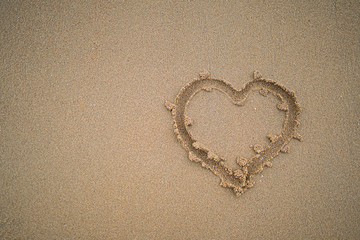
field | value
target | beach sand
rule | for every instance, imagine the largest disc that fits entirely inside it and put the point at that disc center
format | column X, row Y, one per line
column 87, row 147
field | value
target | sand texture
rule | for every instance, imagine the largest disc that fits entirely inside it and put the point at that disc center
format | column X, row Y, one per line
column 88, row 150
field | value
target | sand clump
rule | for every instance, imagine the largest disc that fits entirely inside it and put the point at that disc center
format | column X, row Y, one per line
column 238, row 179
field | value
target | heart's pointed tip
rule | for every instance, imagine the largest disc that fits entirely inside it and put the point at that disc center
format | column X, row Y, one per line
column 257, row 75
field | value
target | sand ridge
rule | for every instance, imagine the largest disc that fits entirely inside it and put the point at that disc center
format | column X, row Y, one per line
column 238, row 179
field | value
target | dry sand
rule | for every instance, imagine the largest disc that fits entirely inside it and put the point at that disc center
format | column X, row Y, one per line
column 88, row 150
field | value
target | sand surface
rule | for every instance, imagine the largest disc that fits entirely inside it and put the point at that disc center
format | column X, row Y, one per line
column 88, row 150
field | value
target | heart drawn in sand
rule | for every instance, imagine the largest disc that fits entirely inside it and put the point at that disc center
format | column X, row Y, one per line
column 238, row 179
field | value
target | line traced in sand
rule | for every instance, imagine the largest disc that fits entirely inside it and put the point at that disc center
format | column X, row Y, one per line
column 238, row 179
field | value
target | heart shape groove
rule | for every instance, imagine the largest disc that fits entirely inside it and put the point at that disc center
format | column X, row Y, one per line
column 237, row 179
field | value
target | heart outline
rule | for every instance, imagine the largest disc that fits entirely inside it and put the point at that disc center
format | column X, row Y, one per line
column 240, row 179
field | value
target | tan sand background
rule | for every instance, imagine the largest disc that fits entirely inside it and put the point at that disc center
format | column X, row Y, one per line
column 87, row 146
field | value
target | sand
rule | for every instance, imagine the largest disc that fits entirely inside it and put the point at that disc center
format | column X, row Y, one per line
column 88, row 150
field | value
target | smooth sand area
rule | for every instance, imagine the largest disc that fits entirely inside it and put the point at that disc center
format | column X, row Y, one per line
column 88, row 150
